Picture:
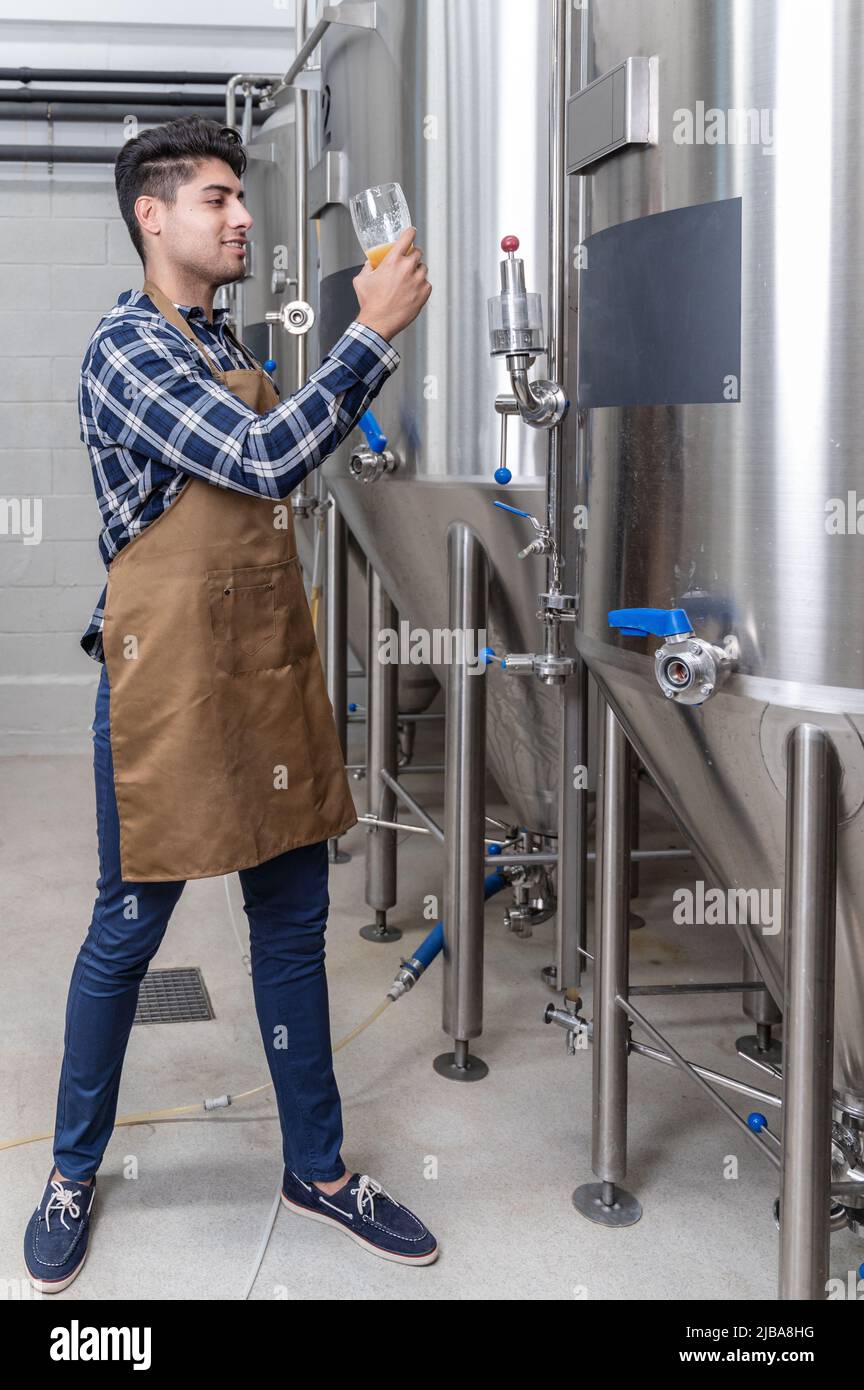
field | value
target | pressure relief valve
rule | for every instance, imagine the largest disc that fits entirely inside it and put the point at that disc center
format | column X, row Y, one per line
column 688, row 669
column 516, row 332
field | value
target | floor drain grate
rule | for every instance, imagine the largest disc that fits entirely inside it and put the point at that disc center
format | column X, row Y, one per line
column 173, row 996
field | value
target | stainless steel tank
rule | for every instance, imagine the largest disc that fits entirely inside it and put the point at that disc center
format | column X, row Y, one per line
column 710, row 476
column 270, row 186
column 450, row 100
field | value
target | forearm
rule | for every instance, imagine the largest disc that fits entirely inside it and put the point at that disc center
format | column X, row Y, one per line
column 139, row 394
column 282, row 447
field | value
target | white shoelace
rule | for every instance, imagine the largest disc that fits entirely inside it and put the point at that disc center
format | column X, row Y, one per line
column 62, row 1199
column 367, row 1191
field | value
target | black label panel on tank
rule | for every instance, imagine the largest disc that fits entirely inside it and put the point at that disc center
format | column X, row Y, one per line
column 660, row 309
column 337, row 305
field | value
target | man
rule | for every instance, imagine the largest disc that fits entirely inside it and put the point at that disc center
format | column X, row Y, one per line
column 220, row 753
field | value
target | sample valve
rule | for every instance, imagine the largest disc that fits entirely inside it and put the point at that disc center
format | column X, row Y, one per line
column 558, row 607
column 369, row 464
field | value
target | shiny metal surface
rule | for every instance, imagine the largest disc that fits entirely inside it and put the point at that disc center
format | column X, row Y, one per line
column 611, row 962
column 382, row 682
column 724, row 506
column 270, row 183
column 451, row 100
column 464, row 795
column 810, row 921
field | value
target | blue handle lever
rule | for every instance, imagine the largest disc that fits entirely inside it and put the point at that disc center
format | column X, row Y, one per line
column 375, row 437
column 651, row 622
column 506, row 508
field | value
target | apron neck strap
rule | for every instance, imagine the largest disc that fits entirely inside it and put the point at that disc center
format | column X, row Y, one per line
column 242, row 349
column 170, row 311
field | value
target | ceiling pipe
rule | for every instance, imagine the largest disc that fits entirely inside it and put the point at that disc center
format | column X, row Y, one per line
column 57, row 154
column 60, row 111
column 24, row 96
column 212, row 79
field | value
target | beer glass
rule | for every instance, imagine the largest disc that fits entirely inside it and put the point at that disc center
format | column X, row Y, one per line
column 380, row 215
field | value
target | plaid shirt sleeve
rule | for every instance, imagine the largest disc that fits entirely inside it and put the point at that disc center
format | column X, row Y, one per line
column 151, row 393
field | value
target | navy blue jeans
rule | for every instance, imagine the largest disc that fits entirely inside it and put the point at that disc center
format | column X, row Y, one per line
column 286, row 900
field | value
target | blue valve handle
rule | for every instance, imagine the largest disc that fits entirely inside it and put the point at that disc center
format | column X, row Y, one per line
column 375, row 437
column 651, row 622
column 505, row 507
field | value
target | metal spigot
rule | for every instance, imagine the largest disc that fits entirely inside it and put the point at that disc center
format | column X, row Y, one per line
column 367, row 466
column 373, row 460
column 557, row 607
column 570, row 1019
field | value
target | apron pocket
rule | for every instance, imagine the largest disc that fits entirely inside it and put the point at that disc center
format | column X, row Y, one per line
column 259, row 617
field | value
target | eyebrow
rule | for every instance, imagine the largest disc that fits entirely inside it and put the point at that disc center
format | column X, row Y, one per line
column 221, row 188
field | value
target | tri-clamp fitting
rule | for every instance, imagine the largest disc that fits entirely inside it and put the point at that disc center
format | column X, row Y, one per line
column 373, row 460
column 688, row 669
column 570, row 1019
column 296, row 317
column 558, row 607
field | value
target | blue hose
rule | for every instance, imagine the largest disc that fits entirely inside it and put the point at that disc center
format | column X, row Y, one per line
column 431, row 945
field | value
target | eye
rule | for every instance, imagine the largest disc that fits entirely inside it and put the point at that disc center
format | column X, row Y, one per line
column 217, row 202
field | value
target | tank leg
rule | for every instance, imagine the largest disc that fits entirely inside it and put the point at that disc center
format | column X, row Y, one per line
column 570, row 920
column 464, row 810
column 336, row 640
column 606, row 1202
column 809, row 922
column 635, row 920
column 382, row 695
column 760, row 1046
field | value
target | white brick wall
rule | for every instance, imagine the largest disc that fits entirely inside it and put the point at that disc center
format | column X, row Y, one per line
column 62, row 264
column 65, row 255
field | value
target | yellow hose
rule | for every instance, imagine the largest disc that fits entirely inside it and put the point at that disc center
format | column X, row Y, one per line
column 148, row 1116
column 313, row 604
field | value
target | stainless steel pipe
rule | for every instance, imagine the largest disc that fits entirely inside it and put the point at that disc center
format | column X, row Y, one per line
column 572, row 886
column 809, row 921
column 465, row 792
column 611, row 965
column 381, row 748
column 336, row 625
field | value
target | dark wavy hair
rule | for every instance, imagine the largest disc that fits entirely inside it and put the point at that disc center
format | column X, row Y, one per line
column 159, row 160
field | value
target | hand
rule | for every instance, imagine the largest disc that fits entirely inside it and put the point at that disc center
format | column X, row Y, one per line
column 391, row 296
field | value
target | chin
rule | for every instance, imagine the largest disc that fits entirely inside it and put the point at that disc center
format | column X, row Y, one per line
column 230, row 277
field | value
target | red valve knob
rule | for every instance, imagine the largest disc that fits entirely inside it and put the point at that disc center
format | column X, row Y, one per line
column 510, row 243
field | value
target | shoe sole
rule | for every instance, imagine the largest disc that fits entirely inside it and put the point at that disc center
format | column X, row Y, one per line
column 426, row 1259
column 54, row 1285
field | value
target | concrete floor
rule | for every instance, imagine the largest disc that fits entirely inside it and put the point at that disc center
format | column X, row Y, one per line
column 506, row 1152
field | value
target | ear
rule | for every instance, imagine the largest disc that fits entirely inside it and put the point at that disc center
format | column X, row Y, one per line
column 149, row 213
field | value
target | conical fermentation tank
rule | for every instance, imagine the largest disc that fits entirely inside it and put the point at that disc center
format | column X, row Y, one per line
column 451, row 100
column 721, row 334
column 270, row 284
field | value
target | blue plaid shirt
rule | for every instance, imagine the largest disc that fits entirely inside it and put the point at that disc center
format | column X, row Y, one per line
column 152, row 413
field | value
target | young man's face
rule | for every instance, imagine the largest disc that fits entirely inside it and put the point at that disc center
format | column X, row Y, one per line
column 205, row 231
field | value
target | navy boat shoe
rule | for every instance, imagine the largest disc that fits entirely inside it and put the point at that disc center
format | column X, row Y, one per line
column 366, row 1213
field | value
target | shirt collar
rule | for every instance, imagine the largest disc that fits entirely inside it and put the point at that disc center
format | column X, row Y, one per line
column 195, row 311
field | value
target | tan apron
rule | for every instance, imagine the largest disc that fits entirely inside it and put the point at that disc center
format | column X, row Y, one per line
column 222, row 734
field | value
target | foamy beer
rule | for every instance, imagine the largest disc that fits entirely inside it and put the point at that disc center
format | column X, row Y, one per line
column 380, row 216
